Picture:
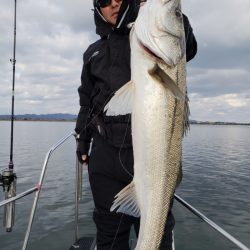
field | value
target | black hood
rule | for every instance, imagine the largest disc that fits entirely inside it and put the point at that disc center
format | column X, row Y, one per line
column 127, row 14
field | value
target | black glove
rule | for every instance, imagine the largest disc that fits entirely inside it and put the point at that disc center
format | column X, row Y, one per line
column 191, row 44
column 82, row 149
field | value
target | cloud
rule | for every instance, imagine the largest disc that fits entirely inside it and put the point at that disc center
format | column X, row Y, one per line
column 228, row 107
column 219, row 76
column 52, row 36
column 215, row 82
column 222, row 23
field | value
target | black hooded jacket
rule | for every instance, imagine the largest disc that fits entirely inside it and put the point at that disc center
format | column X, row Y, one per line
column 106, row 68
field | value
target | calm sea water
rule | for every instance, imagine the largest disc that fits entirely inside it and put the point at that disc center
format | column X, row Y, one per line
column 216, row 181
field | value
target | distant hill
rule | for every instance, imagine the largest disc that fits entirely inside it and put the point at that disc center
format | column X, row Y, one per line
column 42, row 117
column 216, row 123
column 71, row 117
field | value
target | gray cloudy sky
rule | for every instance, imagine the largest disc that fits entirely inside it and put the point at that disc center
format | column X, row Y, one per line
column 53, row 34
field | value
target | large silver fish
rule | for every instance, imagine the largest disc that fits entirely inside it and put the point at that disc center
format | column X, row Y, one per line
column 156, row 97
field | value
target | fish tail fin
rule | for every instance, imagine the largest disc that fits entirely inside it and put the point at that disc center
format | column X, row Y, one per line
column 126, row 201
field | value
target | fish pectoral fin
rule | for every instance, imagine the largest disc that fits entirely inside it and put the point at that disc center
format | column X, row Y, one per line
column 159, row 75
column 121, row 102
column 126, row 201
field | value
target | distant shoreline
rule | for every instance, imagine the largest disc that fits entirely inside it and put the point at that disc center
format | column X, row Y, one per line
column 220, row 123
column 58, row 119
column 37, row 120
column 40, row 117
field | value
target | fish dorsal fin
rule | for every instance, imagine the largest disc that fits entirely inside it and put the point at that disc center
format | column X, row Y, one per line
column 121, row 102
column 159, row 74
column 126, row 201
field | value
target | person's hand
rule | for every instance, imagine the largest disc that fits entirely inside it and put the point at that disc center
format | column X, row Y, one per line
column 84, row 158
column 81, row 152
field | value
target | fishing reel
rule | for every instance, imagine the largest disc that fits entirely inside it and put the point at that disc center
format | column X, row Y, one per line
column 8, row 182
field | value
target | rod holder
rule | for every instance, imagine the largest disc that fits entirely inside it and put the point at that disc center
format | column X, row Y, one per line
column 8, row 181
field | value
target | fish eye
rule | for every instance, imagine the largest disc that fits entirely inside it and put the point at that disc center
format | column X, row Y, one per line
column 178, row 13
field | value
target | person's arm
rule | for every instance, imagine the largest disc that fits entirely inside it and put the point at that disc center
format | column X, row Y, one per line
column 82, row 124
column 191, row 44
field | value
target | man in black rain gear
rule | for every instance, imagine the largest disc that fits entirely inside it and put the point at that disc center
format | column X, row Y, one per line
column 106, row 68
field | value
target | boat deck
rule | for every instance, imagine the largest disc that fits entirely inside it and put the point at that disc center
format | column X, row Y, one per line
column 89, row 243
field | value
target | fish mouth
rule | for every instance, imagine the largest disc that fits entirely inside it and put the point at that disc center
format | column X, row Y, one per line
column 168, row 61
column 155, row 56
column 149, row 51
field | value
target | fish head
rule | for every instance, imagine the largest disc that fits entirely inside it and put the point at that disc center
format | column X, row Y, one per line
column 159, row 28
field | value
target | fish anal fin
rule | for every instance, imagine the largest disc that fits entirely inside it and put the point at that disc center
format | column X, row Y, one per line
column 159, row 74
column 126, row 201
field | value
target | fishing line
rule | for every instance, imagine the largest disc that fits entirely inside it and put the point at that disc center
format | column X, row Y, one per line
column 117, row 231
column 121, row 149
column 98, row 113
column 85, row 127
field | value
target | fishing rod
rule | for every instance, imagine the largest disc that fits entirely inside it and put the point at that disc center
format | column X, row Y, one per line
column 8, row 177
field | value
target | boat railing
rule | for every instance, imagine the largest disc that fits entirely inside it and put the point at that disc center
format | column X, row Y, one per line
column 38, row 188
column 78, row 195
column 212, row 224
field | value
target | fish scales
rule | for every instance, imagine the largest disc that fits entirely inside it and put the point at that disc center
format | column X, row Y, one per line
column 158, row 120
column 157, row 97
